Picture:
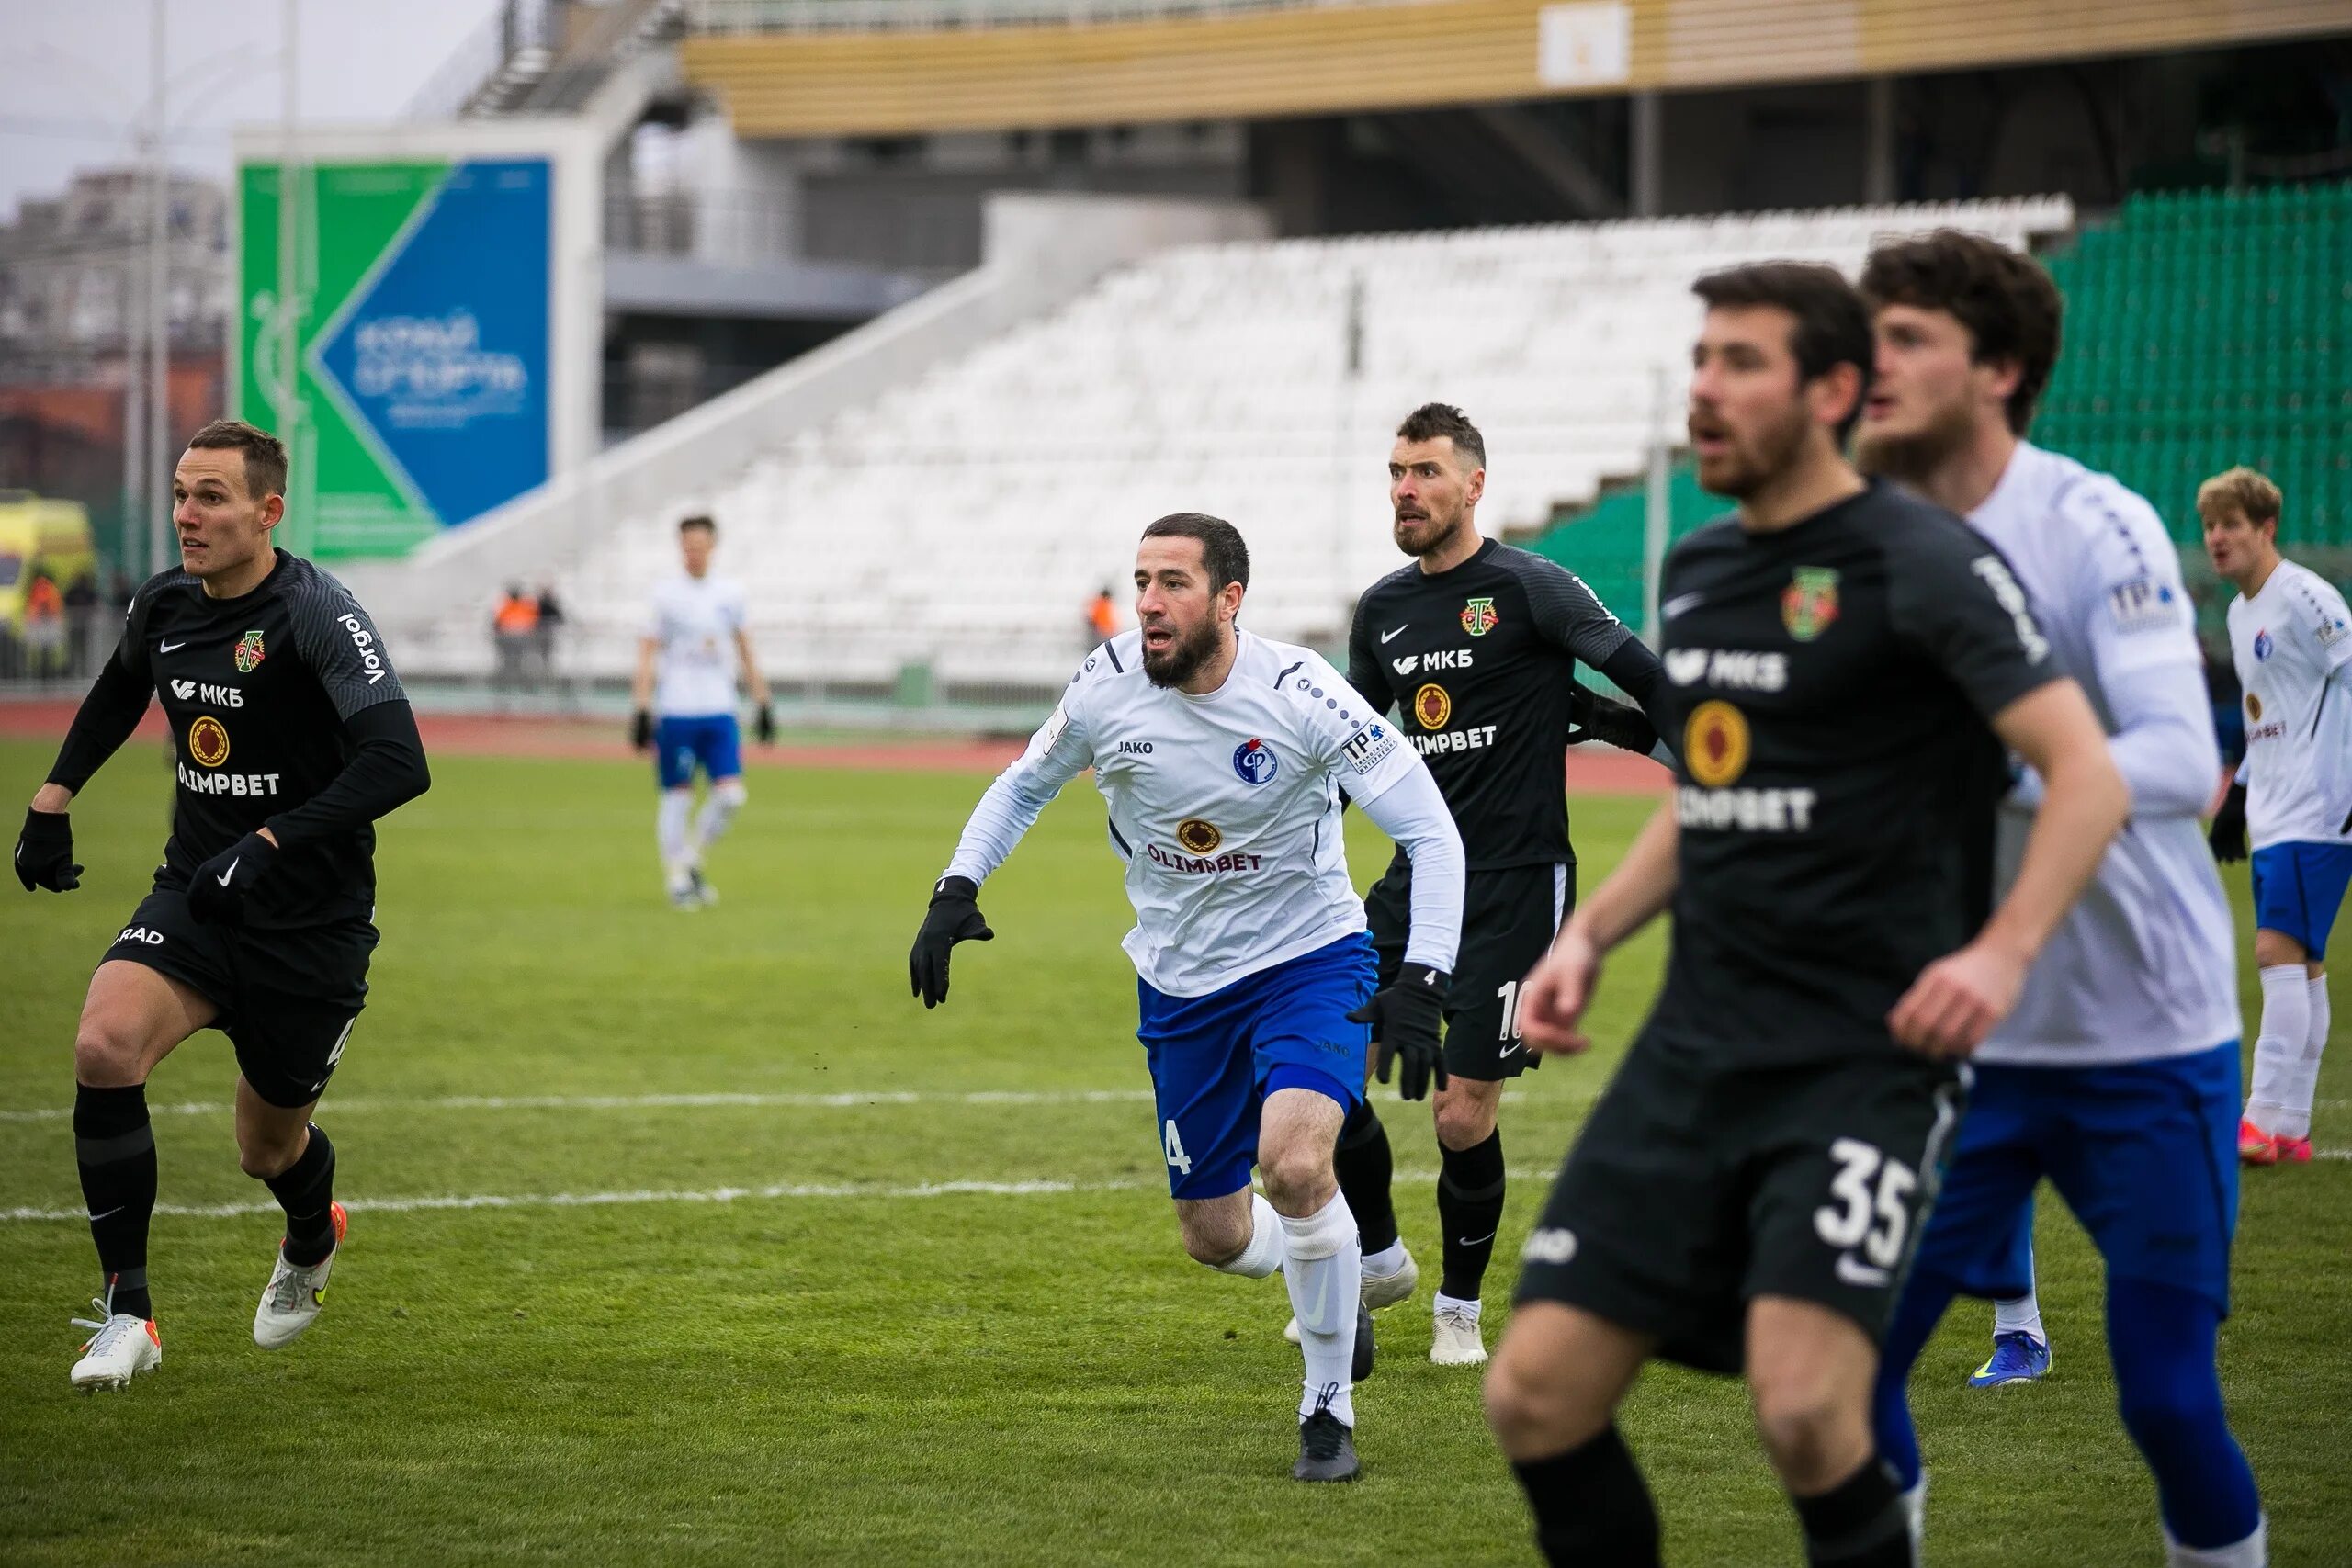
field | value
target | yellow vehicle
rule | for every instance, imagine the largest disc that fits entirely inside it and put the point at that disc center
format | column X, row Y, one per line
column 40, row 538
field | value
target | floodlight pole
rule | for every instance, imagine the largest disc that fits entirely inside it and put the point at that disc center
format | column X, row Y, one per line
column 289, row 207
column 159, row 316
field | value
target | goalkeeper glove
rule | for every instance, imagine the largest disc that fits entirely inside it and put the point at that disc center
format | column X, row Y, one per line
column 45, row 853
column 641, row 730
column 2227, row 835
column 763, row 723
column 217, row 893
column 1405, row 1016
column 955, row 916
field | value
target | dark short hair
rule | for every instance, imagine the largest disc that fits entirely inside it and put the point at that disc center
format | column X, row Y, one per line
column 1833, row 326
column 2003, row 297
column 1432, row 420
column 699, row 520
column 265, row 453
column 1223, row 554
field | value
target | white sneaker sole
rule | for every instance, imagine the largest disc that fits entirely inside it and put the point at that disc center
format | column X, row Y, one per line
column 1445, row 1354
column 92, row 1381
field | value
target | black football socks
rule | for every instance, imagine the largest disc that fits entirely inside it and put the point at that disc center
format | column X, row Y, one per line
column 305, row 1189
column 1859, row 1523
column 1470, row 1209
column 115, row 1145
column 1592, row 1508
column 1363, row 1164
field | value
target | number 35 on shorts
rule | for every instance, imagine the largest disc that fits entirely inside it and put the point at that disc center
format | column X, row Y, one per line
column 1870, row 1210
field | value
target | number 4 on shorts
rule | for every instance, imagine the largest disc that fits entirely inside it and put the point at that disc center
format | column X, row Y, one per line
column 1176, row 1155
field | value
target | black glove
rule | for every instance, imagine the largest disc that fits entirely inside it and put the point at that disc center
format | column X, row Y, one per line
column 45, row 853
column 2227, row 835
column 1404, row 1017
column 763, row 723
column 955, row 916
column 217, row 893
column 641, row 730
column 1592, row 717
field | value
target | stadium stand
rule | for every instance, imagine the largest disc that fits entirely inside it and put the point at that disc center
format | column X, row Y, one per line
column 2211, row 328
column 960, row 522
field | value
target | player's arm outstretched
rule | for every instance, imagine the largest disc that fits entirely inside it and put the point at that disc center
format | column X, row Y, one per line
column 116, row 702
column 383, row 767
column 1058, row 753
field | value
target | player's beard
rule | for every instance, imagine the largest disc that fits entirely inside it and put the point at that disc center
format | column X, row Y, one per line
column 1425, row 535
column 1755, row 463
column 1912, row 459
column 1184, row 657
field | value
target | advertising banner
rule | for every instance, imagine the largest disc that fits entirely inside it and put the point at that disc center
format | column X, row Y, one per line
column 421, row 337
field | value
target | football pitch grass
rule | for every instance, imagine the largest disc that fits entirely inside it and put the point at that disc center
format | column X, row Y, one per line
column 689, row 1238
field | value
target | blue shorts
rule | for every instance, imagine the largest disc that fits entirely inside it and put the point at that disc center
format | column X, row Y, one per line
column 2145, row 1153
column 2298, row 888
column 709, row 740
column 1216, row 1059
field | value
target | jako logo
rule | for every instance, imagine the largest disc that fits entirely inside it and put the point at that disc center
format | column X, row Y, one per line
column 1134, row 747
column 365, row 641
column 1549, row 1246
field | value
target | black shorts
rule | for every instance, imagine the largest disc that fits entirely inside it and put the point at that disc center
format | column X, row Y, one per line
column 1695, row 1186
column 287, row 998
column 1508, row 919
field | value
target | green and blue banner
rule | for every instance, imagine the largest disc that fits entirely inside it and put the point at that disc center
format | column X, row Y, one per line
column 422, row 326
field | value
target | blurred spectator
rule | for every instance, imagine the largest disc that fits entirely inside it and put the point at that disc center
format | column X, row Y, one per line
column 1102, row 617
column 121, row 590
column 83, row 625
column 44, row 627
column 550, row 622
column 515, row 633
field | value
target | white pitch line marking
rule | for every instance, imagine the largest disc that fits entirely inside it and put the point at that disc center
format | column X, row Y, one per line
column 362, row 1104
column 782, row 1190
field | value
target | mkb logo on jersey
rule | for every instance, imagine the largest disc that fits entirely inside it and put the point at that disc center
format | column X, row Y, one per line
column 248, row 653
column 1714, row 744
column 1809, row 603
column 207, row 741
column 1198, row 836
column 1432, row 706
column 1253, row 760
column 1478, row 616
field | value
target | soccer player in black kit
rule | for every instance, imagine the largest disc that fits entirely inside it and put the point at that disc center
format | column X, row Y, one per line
column 1476, row 645
column 292, row 738
column 1844, row 665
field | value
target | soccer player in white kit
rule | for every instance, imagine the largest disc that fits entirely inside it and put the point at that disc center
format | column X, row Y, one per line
column 1222, row 756
column 2293, row 793
column 694, row 638
column 2117, row 1075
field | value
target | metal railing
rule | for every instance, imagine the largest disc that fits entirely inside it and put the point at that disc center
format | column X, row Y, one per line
column 723, row 16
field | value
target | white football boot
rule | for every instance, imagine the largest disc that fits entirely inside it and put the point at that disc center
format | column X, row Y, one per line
column 1454, row 1339
column 123, row 1346
column 1379, row 1291
column 296, row 1294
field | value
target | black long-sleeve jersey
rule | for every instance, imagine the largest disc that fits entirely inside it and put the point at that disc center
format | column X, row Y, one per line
column 285, row 713
column 1480, row 662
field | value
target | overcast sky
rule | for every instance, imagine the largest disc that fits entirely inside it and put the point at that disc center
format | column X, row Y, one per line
column 78, row 73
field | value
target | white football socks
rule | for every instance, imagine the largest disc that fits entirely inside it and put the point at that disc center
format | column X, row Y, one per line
column 1443, row 1303
column 2279, row 1049
column 2295, row 1122
column 2022, row 1314
column 2254, row 1551
column 718, row 807
column 1263, row 1255
column 1323, row 1266
column 670, row 826
column 1386, row 1261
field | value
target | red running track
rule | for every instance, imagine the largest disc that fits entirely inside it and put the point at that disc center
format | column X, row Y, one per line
column 1594, row 771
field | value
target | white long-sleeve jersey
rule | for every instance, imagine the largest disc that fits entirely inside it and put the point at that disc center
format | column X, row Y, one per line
column 2144, row 966
column 2291, row 643
column 1226, row 808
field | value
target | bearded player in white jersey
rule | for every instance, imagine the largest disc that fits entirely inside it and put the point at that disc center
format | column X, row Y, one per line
column 2289, row 640
column 1222, row 756
column 2117, row 1075
column 694, row 639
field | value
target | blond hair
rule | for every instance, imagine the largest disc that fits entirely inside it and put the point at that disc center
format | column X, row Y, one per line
column 2242, row 488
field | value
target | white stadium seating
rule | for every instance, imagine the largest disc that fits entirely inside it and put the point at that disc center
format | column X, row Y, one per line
column 964, row 520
